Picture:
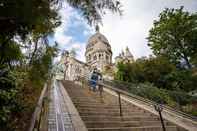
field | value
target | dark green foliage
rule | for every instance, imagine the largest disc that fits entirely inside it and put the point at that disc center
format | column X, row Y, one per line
column 8, row 103
column 175, row 35
column 173, row 40
column 169, row 85
column 93, row 10
column 151, row 92
column 181, row 80
column 25, row 24
column 158, row 71
column 23, row 16
column 42, row 65
column 176, row 99
column 11, row 53
column 182, row 98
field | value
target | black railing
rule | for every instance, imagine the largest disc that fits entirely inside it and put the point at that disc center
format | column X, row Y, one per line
column 121, row 92
column 124, row 90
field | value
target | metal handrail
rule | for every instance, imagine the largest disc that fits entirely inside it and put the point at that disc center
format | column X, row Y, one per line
column 146, row 101
column 38, row 112
column 149, row 101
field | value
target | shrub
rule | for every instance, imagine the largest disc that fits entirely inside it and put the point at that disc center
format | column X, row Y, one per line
column 8, row 103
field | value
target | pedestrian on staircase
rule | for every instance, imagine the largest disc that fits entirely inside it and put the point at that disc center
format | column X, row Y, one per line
column 100, row 81
column 94, row 79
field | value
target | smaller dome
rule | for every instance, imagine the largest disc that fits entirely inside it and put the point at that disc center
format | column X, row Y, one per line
column 128, row 53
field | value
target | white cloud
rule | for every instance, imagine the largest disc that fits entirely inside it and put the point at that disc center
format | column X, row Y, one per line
column 85, row 32
column 80, row 49
column 71, row 18
column 66, row 42
column 65, row 12
column 130, row 30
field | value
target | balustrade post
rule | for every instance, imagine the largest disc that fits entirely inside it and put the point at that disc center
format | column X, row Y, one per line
column 81, row 82
column 120, row 104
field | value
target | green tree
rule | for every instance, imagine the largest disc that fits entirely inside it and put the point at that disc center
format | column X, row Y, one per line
column 120, row 74
column 181, row 80
column 8, row 104
column 41, row 65
column 93, row 10
column 33, row 20
column 155, row 70
column 19, row 17
column 159, row 71
column 11, row 54
column 174, row 35
column 25, row 24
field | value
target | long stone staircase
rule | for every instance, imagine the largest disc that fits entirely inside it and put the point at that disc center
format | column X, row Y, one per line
column 103, row 113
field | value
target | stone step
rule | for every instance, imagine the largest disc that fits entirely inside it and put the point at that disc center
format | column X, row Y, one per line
column 144, row 128
column 105, row 107
column 109, row 110
column 89, row 102
column 105, row 124
column 85, row 99
column 102, row 106
column 118, row 118
column 98, row 103
column 90, row 97
column 103, row 114
column 85, row 95
column 115, row 113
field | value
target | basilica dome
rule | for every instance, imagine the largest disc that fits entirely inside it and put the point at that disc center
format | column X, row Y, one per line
column 98, row 42
column 98, row 51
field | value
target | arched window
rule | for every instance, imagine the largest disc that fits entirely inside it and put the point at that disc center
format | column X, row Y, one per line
column 107, row 57
column 95, row 57
column 99, row 56
column 89, row 57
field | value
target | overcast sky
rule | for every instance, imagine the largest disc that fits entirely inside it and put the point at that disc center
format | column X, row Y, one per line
column 130, row 30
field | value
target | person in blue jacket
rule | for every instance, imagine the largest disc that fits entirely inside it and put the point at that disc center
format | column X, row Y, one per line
column 94, row 79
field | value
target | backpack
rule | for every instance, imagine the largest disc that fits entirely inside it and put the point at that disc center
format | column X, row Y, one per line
column 94, row 77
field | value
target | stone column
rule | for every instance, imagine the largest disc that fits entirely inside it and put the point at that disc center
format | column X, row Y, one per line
column 97, row 57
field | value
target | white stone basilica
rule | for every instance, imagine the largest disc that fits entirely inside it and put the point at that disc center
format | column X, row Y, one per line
column 98, row 55
column 98, row 51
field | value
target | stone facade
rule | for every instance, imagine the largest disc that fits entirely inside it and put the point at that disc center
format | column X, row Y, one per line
column 74, row 67
column 98, row 52
column 98, row 55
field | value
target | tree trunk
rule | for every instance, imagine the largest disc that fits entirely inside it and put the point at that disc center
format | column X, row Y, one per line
column 2, row 49
column 34, row 52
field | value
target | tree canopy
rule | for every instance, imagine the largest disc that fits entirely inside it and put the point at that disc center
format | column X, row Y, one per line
column 93, row 10
column 175, row 35
column 157, row 79
column 158, row 71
